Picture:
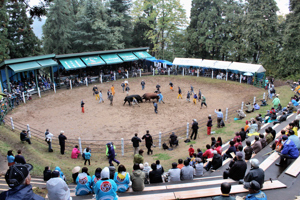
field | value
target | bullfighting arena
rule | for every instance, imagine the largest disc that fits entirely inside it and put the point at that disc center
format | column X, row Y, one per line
column 62, row 111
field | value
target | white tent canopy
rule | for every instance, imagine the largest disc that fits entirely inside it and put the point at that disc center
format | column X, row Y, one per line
column 217, row 64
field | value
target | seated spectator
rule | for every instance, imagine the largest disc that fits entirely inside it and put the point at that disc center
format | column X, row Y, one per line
column 75, row 152
column 18, row 179
column 137, row 178
column 174, row 173
column 258, row 122
column 281, row 119
column 248, row 150
column 219, row 140
column 230, row 150
column 208, row 153
column 112, row 170
column 289, row 151
column 298, row 115
column 213, row 142
column 215, row 163
column 272, row 131
column 106, row 188
column 240, row 149
column 243, row 134
column 279, row 108
column 155, row 174
column 294, row 138
column 75, row 172
column 180, row 164
column 249, row 108
column 122, row 179
column 241, row 115
column 294, row 102
column 237, row 169
column 19, row 158
column 291, row 108
column 187, row 171
column 23, row 137
column 254, row 190
column 269, row 136
column 238, row 143
column 198, row 167
column 199, row 155
column 272, row 118
column 259, row 118
column 255, row 173
column 262, row 140
column 83, row 182
column 191, row 150
column 10, row 158
column 253, row 127
column 237, row 135
column 263, row 102
column 96, row 177
column 256, row 106
column 146, row 169
column 158, row 166
column 294, row 128
column 225, row 189
column 47, row 173
column 61, row 174
column 218, row 148
column 257, row 145
column 138, row 158
column 57, row 188
column 246, row 128
column 173, row 140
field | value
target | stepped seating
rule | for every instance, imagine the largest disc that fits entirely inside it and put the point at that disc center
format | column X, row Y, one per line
column 35, row 182
column 294, row 169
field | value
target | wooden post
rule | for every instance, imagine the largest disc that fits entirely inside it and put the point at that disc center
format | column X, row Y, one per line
column 212, row 74
column 122, row 146
column 80, row 147
column 226, row 75
column 23, row 95
column 187, row 130
column 71, row 84
column 12, row 124
column 242, row 106
column 226, row 115
column 159, row 140
column 198, row 72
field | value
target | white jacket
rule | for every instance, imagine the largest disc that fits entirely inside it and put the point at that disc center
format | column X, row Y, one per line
column 58, row 189
column 49, row 135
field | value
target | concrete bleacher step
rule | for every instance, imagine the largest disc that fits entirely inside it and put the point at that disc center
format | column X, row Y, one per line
column 35, row 182
column 294, row 168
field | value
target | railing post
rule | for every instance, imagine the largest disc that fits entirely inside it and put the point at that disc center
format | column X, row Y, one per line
column 127, row 74
column 153, row 71
column 24, row 100
column 71, row 84
column 159, row 140
column 264, row 96
column 242, row 106
column 39, row 91
column 115, row 78
column 28, row 131
column 198, row 72
column 122, row 146
column 169, row 71
column 226, row 115
column 80, row 147
column 12, row 123
column 101, row 78
column 226, row 75
column 254, row 99
column 183, row 71
column 86, row 81
column 212, row 74
column 54, row 87
column 187, row 130
column 140, row 72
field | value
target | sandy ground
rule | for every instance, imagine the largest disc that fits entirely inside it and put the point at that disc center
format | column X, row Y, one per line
column 62, row 111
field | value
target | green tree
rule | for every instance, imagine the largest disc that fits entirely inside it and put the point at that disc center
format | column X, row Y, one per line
column 138, row 34
column 57, row 29
column 4, row 42
column 24, row 41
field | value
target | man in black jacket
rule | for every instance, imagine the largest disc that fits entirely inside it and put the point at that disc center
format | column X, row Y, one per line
column 195, row 129
column 255, row 173
column 216, row 161
column 136, row 143
column 173, row 140
column 62, row 142
column 281, row 119
column 19, row 158
column 23, row 137
column 237, row 169
column 148, row 140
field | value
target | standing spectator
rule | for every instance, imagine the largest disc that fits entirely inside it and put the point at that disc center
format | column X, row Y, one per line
column 111, row 98
column 255, row 192
column 148, row 140
column 75, row 152
column 23, row 137
column 111, row 154
column 123, row 86
column 187, row 171
column 48, row 138
column 101, row 100
column 106, row 188
column 225, row 189
column 237, row 169
column 136, row 143
column 248, row 150
column 199, row 95
column 122, row 179
column 179, row 93
column 18, row 179
column 209, row 125
column 82, row 106
column 83, row 182
column 257, row 145
column 173, row 140
column 174, row 173
column 19, row 158
column 57, row 188
column 127, row 89
column 255, row 173
column 47, row 173
column 137, row 178
column 155, row 107
column 195, row 128
column 62, row 142
column 203, row 101
column 180, row 164
column 171, row 86
column 191, row 151
column 219, row 118
column 138, row 158
column 87, row 156
column 155, row 174
column 143, row 84
column 276, row 102
column 10, row 158
column 112, row 90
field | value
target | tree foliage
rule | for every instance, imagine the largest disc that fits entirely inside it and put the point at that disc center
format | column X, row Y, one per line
column 4, row 42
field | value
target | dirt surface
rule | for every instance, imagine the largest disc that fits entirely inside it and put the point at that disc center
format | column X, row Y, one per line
column 62, row 111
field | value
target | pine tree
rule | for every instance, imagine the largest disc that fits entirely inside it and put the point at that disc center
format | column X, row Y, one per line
column 4, row 42
column 24, row 41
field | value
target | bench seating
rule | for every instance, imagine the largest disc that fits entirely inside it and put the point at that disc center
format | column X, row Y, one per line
column 269, row 161
column 294, row 169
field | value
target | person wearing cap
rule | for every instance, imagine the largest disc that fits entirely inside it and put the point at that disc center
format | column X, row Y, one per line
column 62, row 142
column 255, row 173
column 23, row 137
column 143, row 84
column 106, row 188
column 57, row 188
column 254, row 190
column 122, row 179
column 174, row 173
column 83, row 182
column 173, row 140
column 195, row 128
column 209, row 125
column 138, row 158
column 18, row 179
column 237, row 169
column 225, row 189
column 61, row 174
column 289, row 151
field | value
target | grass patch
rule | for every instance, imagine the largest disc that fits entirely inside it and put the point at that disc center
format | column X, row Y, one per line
column 162, row 156
column 191, row 142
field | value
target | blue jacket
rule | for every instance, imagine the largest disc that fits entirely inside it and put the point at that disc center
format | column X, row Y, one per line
column 295, row 102
column 83, row 184
column 122, row 181
column 10, row 159
column 21, row 192
column 87, row 155
column 289, row 148
column 94, row 181
column 257, row 196
column 61, row 174
column 106, row 190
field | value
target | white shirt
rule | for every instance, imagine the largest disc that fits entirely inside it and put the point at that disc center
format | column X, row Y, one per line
column 58, row 189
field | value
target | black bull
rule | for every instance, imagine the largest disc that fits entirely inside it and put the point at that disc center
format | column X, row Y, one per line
column 129, row 99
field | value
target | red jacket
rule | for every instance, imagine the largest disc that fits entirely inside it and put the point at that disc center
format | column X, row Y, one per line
column 191, row 151
column 208, row 153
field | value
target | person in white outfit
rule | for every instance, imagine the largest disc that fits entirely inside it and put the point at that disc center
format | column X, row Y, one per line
column 57, row 188
column 48, row 139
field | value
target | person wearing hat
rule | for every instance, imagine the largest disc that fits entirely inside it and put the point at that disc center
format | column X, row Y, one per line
column 138, row 158
column 237, row 169
column 18, row 179
column 62, row 138
column 225, row 189
column 289, row 151
column 57, row 188
column 23, row 137
column 254, row 190
column 174, row 173
column 143, row 84
column 106, row 187
column 75, row 172
column 255, row 173
column 195, row 128
column 173, row 140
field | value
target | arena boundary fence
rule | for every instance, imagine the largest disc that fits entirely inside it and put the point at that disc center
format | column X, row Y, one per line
column 122, row 145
